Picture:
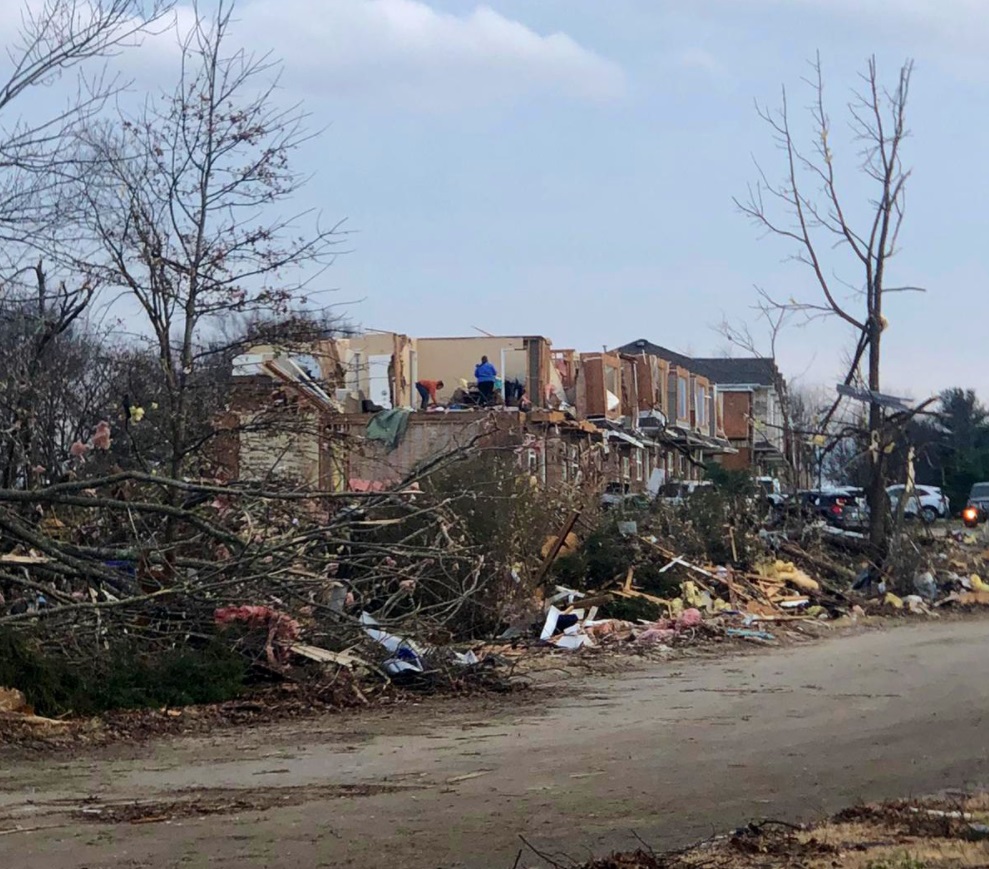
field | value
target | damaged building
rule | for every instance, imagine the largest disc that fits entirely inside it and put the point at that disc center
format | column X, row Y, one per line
column 635, row 417
column 745, row 401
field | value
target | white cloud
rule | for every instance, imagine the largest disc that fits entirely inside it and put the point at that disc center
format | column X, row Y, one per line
column 406, row 52
column 401, row 52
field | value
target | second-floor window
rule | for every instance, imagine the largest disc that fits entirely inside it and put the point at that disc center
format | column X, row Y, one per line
column 700, row 400
column 683, row 411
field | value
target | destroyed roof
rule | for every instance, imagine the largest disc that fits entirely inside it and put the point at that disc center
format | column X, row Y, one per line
column 644, row 346
column 748, row 370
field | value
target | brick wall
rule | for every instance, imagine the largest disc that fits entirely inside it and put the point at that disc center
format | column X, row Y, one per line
column 740, row 461
column 737, row 409
column 288, row 452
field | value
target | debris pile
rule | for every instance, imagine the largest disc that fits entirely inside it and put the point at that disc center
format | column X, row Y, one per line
column 132, row 575
column 780, row 587
column 702, row 601
column 935, row 833
column 135, row 575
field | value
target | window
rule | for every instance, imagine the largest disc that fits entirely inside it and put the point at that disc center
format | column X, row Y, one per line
column 700, row 403
column 683, row 412
column 533, row 461
column 625, row 467
column 638, row 465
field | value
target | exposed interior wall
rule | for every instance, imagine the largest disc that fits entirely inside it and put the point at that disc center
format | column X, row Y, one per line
column 375, row 366
column 599, row 385
column 700, row 389
column 565, row 364
column 768, row 413
column 652, row 374
column 453, row 359
column 541, row 380
column 629, row 391
column 680, row 409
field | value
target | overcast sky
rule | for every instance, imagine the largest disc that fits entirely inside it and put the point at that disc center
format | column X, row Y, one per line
column 567, row 167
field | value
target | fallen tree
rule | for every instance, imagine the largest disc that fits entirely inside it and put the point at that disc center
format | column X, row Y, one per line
column 134, row 565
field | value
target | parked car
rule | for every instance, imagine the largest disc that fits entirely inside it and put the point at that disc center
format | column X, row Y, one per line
column 927, row 502
column 614, row 494
column 977, row 508
column 618, row 495
column 676, row 493
column 835, row 506
column 769, row 488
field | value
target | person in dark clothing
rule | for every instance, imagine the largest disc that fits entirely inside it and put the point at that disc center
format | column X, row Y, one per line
column 485, row 375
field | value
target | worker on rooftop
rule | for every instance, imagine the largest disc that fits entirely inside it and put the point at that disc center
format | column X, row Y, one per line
column 427, row 392
column 485, row 374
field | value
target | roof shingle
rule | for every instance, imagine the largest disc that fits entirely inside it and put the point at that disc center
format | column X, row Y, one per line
column 751, row 371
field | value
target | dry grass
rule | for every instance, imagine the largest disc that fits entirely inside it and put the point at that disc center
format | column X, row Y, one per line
column 933, row 833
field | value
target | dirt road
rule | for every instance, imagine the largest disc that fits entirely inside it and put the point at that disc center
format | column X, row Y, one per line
column 671, row 752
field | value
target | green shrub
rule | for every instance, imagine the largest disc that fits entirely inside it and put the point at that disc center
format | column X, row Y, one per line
column 631, row 609
column 570, row 570
column 125, row 676
column 608, row 555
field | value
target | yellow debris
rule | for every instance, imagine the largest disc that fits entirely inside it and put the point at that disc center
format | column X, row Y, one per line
column 893, row 600
column 691, row 595
column 789, row 572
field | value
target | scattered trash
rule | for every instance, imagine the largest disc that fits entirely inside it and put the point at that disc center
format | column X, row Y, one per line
column 745, row 634
column 915, row 603
column 282, row 631
column 926, row 585
column 407, row 657
column 325, row 656
column 893, row 601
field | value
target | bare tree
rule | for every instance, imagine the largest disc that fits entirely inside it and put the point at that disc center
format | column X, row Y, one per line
column 41, row 301
column 739, row 335
column 185, row 212
column 809, row 208
column 56, row 38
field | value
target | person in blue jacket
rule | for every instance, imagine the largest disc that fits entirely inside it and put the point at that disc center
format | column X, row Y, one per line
column 485, row 375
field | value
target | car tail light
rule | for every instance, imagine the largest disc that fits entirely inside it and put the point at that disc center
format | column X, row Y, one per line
column 970, row 514
column 836, row 509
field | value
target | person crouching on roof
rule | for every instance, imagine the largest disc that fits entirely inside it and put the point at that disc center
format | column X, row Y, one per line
column 427, row 392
